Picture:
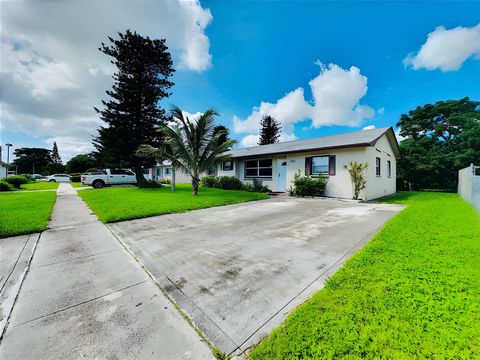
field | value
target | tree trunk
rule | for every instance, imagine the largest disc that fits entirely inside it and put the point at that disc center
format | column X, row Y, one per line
column 173, row 178
column 141, row 181
column 195, row 182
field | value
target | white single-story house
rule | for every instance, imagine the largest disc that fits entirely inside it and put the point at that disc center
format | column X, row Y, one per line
column 164, row 171
column 276, row 164
column 3, row 170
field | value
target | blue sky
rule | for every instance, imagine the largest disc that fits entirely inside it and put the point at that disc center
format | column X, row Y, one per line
column 235, row 55
column 262, row 50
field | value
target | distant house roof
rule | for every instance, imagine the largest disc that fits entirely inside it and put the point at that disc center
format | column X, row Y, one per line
column 353, row 139
column 3, row 164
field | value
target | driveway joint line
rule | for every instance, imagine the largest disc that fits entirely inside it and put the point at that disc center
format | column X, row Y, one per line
column 76, row 258
column 15, row 264
column 26, row 271
column 169, row 297
column 80, row 303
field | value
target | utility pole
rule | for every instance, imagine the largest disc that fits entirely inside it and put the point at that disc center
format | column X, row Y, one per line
column 8, row 152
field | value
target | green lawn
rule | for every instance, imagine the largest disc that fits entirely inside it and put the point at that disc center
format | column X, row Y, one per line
column 412, row 292
column 77, row 184
column 116, row 204
column 25, row 212
column 39, row 185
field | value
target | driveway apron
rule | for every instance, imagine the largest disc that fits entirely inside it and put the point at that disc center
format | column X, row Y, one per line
column 84, row 296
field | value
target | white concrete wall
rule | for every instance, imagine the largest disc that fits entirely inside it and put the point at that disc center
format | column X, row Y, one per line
column 383, row 185
column 3, row 172
column 469, row 186
column 339, row 185
column 180, row 176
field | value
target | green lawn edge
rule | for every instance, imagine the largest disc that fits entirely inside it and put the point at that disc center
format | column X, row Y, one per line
column 412, row 292
column 25, row 212
column 121, row 204
column 39, row 185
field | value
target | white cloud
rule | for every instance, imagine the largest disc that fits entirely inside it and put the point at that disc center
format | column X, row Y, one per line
column 53, row 73
column 381, row 111
column 399, row 137
column 446, row 50
column 249, row 140
column 369, row 127
column 336, row 96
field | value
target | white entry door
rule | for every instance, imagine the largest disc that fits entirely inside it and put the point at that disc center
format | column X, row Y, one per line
column 282, row 174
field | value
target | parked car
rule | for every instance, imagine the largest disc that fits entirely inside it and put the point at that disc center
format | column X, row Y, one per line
column 38, row 177
column 58, row 178
column 109, row 177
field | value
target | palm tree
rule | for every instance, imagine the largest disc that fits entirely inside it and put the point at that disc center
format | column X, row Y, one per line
column 159, row 154
column 191, row 145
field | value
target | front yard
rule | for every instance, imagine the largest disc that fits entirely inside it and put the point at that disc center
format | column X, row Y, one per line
column 117, row 204
column 25, row 212
column 413, row 292
column 40, row 185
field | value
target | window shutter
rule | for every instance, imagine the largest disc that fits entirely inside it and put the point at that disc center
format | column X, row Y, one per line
column 308, row 166
column 331, row 165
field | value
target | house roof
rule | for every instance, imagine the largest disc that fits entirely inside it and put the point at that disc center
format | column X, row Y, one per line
column 352, row 139
column 3, row 164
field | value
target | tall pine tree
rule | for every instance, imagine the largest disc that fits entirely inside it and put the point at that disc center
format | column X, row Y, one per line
column 56, row 166
column 270, row 130
column 55, row 155
column 133, row 115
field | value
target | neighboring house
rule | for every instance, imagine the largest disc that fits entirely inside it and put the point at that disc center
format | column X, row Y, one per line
column 164, row 171
column 276, row 164
column 3, row 170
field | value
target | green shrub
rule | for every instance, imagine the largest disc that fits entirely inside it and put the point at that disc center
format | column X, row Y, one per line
column 305, row 186
column 28, row 177
column 151, row 184
column 75, row 177
column 209, row 181
column 17, row 180
column 5, row 186
column 255, row 186
column 228, row 183
column 165, row 181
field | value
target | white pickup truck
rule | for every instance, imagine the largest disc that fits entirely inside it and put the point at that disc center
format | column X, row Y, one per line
column 107, row 177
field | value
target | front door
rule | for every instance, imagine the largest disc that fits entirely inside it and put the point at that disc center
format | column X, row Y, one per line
column 282, row 174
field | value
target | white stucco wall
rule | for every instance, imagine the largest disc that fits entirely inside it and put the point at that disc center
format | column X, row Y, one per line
column 3, row 172
column 383, row 185
column 180, row 176
column 339, row 185
column 469, row 186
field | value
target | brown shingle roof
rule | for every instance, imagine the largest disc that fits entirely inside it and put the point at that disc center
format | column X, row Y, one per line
column 352, row 139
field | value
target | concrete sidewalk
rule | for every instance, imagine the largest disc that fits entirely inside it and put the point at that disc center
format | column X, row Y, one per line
column 84, row 296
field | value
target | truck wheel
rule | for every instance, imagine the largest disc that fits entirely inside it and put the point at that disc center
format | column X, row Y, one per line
column 98, row 184
column 53, row 180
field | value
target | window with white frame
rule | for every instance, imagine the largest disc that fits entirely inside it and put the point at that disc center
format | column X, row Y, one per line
column 227, row 165
column 389, row 168
column 320, row 165
column 258, row 168
column 378, row 171
column 168, row 171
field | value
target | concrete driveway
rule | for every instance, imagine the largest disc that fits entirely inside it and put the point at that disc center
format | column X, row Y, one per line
column 238, row 270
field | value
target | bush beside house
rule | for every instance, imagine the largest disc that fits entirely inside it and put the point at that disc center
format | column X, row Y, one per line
column 17, row 180
column 232, row 183
column 305, row 186
column 5, row 186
